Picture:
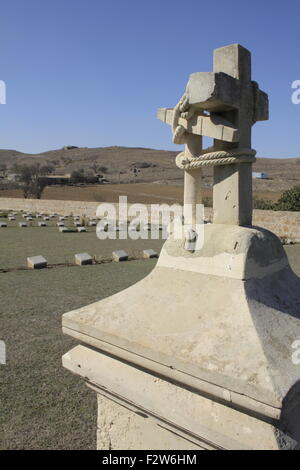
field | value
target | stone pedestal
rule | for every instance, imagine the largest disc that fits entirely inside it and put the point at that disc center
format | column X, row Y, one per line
column 199, row 353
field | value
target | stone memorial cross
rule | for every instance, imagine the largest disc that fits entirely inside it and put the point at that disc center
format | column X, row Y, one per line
column 223, row 104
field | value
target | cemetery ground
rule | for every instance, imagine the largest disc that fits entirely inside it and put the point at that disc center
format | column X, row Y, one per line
column 43, row 406
column 60, row 248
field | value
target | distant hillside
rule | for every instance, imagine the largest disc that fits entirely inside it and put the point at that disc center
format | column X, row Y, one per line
column 155, row 165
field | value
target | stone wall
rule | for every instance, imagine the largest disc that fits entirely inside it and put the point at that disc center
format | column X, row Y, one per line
column 282, row 223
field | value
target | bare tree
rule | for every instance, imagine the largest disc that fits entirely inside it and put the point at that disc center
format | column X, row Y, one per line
column 32, row 178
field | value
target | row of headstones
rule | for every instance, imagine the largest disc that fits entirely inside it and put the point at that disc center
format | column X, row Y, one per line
column 61, row 226
column 29, row 217
column 81, row 228
column 82, row 259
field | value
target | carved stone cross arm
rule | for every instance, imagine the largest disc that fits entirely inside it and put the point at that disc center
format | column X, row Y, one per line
column 213, row 126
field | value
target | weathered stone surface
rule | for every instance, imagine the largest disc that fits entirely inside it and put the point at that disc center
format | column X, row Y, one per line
column 213, row 91
column 198, row 422
column 36, row 262
column 83, row 258
column 120, row 428
column 149, row 253
column 232, row 190
column 120, row 255
column 213, row 126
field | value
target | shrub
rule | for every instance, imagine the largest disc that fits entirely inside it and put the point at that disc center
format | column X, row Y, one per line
column 263, row 204
column 290, row 200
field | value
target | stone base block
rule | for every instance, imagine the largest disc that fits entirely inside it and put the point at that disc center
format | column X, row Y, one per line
column 147, row 412
column 118, row 428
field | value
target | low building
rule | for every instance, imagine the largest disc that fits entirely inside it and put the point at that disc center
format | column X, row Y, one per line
column 260, row 175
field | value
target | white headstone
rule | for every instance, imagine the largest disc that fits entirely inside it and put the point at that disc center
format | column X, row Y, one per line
column 36, row 262
column 120, row 255
column 150, row 253
column 83, row 258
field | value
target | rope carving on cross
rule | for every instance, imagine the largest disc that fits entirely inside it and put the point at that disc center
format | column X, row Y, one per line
column 184, row 111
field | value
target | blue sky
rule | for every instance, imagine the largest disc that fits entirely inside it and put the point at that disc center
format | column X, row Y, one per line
column 92, row 73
